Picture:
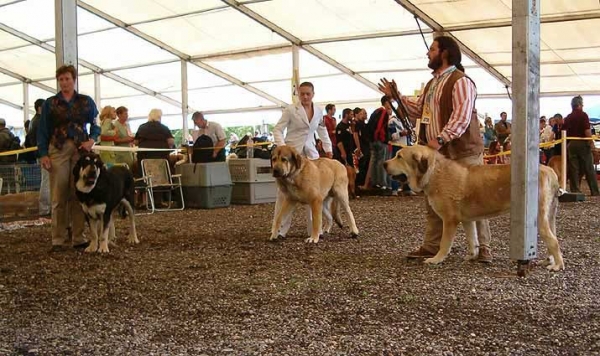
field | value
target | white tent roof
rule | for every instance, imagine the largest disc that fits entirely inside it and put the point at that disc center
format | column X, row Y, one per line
column 240, row 52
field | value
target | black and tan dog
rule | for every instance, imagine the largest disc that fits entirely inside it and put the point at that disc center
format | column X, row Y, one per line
column 322, row 184
column 466, row 194
column 101, row 192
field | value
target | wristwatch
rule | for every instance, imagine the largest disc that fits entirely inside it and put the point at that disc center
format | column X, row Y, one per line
column 440, row 140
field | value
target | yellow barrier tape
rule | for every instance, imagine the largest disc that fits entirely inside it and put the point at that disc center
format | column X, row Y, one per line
column 16, row 152
column 234, row 146
column 132, row 149
column 550, row 144
column 397, row 144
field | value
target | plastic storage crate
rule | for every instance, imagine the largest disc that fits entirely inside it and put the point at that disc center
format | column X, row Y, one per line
column 254, row 193
column 207, row 197
column 204, row 174
column 251, row 170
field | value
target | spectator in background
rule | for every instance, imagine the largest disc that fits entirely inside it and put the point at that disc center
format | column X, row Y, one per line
column 378, row 132
column 557, row 130
column 153, row 134
column 546, row 135
column 399, row 138
column 8, row 142
column 214, row 131
column 31, row 141
column 345, row 138
column 124, row 137
column 331, row 124
column 363, row 152
column 577, row 124
column 493, row 151
column 489, row 133
column 502, row 128
column 108, row 133
column 233, row 139
column 31, row 137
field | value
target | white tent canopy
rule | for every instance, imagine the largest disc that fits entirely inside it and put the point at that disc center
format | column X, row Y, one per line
column 239, row 53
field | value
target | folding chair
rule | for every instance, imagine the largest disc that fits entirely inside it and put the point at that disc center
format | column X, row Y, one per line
column 157, row 178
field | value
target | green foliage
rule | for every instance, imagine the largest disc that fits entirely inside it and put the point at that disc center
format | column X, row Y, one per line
column 240, row 131
column 178, row 136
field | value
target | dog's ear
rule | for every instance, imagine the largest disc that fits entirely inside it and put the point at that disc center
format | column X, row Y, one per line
column 422, row 164
column 76, row 170
column 297, row 160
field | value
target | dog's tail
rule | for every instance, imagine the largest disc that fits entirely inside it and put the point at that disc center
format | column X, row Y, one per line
column 555, row 184
column 129, row 194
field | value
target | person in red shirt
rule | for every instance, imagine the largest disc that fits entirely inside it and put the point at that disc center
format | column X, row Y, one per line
column 331, row 124
column 579, row 152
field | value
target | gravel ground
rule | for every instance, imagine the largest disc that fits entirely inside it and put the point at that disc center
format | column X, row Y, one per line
column 206, row 282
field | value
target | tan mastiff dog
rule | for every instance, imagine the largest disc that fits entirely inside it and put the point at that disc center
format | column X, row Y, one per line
column 464, row 194
column 317, row 183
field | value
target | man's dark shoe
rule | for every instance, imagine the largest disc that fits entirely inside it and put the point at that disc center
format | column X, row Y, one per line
column 82, row 246
column 485, row 255
column 420, row 253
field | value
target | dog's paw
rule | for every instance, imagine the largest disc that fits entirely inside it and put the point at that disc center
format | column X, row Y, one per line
column 91, row 248
column 556, row 266
column 103, row 247
column 433, row 261
column 312, row 240
column 133, row 240
column 276, row 237
column 549, row 260
column 354, row 235
column 472, row 256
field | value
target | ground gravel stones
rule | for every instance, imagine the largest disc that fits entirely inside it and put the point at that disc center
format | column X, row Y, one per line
column 207, row 282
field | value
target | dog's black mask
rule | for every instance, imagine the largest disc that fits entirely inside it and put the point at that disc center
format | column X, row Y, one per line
column 402, row 178
column 88, row 167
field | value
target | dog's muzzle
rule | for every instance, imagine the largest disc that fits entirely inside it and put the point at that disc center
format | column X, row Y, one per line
column 277, row 173
column 402, row 178
column 90, row 177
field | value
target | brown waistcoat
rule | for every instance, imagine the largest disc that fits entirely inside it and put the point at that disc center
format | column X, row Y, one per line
column 470, row 142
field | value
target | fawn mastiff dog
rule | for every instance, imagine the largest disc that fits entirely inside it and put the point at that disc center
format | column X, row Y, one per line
column 318, row 183
column 467, row 194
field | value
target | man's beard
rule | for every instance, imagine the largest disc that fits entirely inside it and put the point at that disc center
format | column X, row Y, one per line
column 436, row 62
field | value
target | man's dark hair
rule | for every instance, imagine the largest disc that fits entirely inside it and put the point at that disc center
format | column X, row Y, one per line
column 196, row 114
column 557, row 116
column 576, row 102
column 308, row 84
column 357, row 110
column 346, row 112
column 38, row 104
column 329, row 107
column 503, row 113
column 448, row 44
column 385, row 99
